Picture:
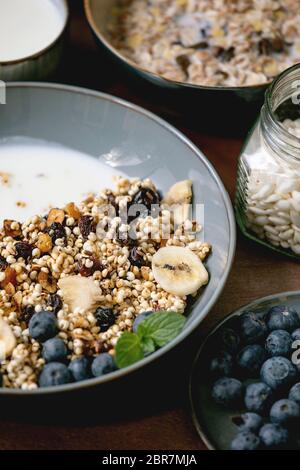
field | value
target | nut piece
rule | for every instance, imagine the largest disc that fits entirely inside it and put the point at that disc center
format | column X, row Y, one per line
column 179, row 197
column 73, row 211
column 55, row 215
column 7, row 340
column 12, row 228
column 80, row 293
column 47, row 282
column 10, row 277
column 44, row 243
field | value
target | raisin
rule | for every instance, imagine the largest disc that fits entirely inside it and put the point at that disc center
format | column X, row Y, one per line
column 27, row 313
column 56, row 230
column 87, row 271
column 150, row 201
column 86, row 225
column 23, row 250
column 268, row 45
column 105, row 318
column 136, row 258
column 3, row 263
column 55, row 302
column 184, row 62
column 225, row 54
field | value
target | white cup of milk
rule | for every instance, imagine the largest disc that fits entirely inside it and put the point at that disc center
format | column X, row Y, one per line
column 31, row 38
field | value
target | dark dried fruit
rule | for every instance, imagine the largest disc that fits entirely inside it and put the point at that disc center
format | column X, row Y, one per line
column 148, row 200
column 86, row 225
column 27, row 313
column 86, row 268
column 136, row 258
column 225, row 54
column 105, row 318
column 47, row 282
column 3, row 263
column 24, row 250
column 55, row 303
column 56, row 230
column 268, row 45
column 184, row 62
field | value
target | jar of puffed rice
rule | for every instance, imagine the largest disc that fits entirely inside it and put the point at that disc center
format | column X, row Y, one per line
column 268, row 185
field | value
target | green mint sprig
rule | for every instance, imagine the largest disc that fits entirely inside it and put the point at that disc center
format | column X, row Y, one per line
column 152, row 333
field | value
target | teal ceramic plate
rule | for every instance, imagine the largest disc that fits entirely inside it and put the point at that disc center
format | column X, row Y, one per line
column 213, row 423
column 146, row 146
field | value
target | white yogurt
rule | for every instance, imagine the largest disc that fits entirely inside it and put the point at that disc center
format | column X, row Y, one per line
column 28, row 26
column 43, row 174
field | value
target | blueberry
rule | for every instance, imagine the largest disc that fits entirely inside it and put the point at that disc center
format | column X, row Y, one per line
column 227, row 392
column 54, row 373
column 105, row 318
column 285, row 412
column 248, row 422
column 272, row 435
column 283, row 317
column 295, row 393
column 250, row 359
column 278, row 372
column 296, row 335
column 54, row 350
column 258, row 397
column 279, row 343
column 80, row 369
column 230, row 340
column 245, row 440
column 141, row 317
column 222, row 365
column 253, row 329
column 43, row 326
column 103, row 364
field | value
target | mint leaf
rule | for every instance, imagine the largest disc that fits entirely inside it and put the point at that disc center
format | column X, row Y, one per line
column 128, row 350
column 161, row 327
column 148, row 345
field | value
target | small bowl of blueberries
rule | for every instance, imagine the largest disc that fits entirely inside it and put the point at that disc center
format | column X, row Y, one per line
column 245, row 382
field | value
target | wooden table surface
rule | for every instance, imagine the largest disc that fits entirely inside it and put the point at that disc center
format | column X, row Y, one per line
column 256, row 272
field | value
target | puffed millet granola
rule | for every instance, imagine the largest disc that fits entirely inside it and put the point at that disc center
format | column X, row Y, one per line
column 40, row 256
column 209, row 42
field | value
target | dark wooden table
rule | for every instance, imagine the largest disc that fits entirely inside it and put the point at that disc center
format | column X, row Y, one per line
column 256, row 272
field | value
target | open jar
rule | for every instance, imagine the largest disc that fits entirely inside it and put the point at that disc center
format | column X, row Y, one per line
column 268, row 185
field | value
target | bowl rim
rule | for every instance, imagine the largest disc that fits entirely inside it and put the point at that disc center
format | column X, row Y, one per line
column 231, row 251
column 133, row 65
column 41, row 52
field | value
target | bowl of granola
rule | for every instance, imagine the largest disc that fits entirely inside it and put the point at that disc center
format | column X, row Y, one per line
column 222, row 53
column 116, row 238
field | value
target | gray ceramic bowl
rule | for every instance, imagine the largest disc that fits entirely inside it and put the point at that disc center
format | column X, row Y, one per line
column 230, row 107
column 42, row 64
column 95, row 123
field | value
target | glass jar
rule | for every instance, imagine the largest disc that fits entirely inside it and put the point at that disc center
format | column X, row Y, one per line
column 268, row 186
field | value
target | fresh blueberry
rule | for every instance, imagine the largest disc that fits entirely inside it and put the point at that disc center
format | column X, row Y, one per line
column 258, row 397
column 296, row 335
column 222, row 365
column 295, row 393
column 253, row 328
column 43, row 326
column 227, row 392
column 283, row 317
column 245, row 440
column 103, row 364
column 80, row 369
column 229, row 340
column 54, row 373
column 54, row 350
column 250, row 359
column 273, row 436
column 141, row 317
column 278, row 372
column 248, row 422
column 285, row 412
column 279, row 343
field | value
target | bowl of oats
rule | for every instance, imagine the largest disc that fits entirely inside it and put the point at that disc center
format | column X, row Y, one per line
column 116, row 238
column 223, row 53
